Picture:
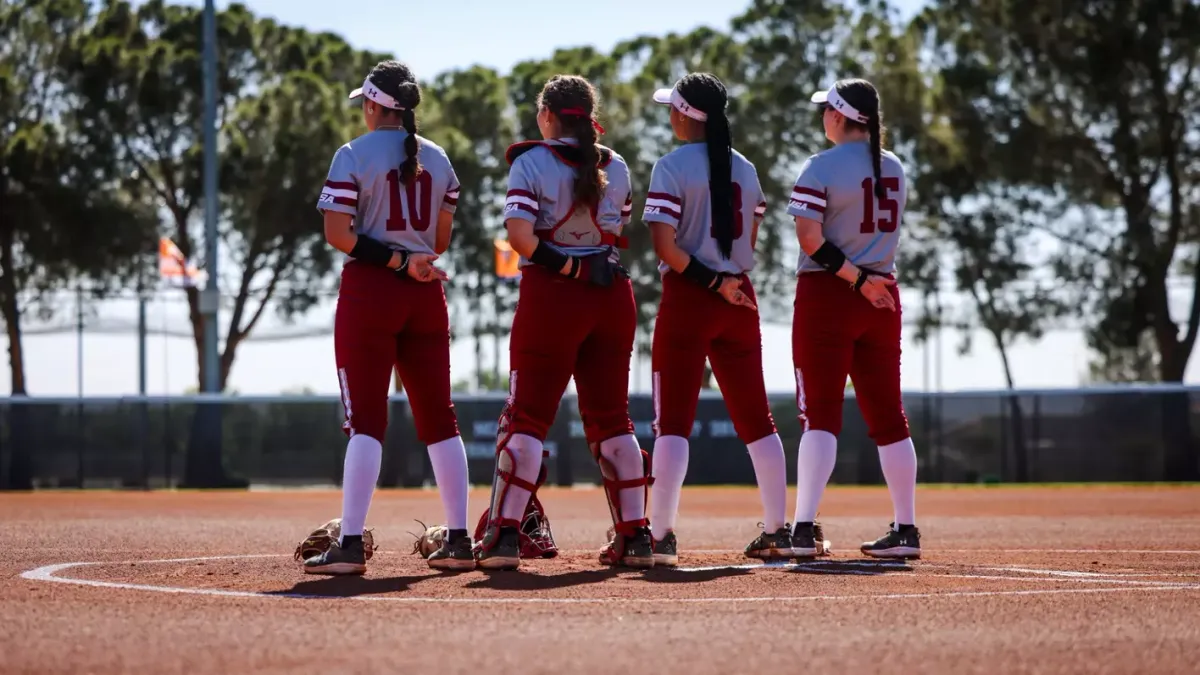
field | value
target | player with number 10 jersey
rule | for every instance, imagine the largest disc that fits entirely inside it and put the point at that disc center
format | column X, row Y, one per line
column 389, row 203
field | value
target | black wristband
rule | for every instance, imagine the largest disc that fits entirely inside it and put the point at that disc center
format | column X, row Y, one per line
column 700, row 273
column 862, row 279
column 549, row 257
column 368, row 250
column 829, row 256
column 403, row 268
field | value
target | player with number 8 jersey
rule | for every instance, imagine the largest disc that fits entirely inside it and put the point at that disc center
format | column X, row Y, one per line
column 704, row 208
column 389, row 203
column 848, row 205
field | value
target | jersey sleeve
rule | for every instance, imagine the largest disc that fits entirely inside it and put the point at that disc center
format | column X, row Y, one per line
column 809, row 194
column 664, row 202
column 340, row 192
column 522, row 200
column 760, row 207
column 450, row 201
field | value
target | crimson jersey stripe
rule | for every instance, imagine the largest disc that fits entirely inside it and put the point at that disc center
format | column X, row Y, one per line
column 808, row 191
column 341, row 185
column 522, row 193
column 666, row 197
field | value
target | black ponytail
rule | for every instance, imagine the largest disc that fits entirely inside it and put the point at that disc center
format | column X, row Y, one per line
column 876, row 133
column 865, row 98
column 397, row 80
column 706, row 93
column 412, row 159
column 720, row 179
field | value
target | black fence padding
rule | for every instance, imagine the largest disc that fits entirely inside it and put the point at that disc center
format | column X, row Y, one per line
column 1139, row 434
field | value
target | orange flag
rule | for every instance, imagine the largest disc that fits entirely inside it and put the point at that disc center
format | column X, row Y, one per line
column 172, row 266
column 507, row 260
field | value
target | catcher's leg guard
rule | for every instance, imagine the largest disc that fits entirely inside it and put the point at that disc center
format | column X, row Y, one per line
column 536, row 538
column 624, row 528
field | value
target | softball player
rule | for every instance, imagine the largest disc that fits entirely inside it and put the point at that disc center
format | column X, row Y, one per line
column 568, row 200
column 704, row 208
column 848, row 203
column 389, row 204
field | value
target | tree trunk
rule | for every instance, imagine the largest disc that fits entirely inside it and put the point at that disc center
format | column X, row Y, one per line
column 20, row 466
column 1180, row 459
column 1016, row 417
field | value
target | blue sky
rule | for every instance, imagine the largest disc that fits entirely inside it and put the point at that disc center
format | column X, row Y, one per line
column 433, row 37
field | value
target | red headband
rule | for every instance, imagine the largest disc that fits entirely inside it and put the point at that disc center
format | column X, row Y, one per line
column 579, row 112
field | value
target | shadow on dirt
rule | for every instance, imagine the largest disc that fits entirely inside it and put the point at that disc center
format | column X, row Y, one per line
column 351, row 586
column 522, row 580
column 683, row 575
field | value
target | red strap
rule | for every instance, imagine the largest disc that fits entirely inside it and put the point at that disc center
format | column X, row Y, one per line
column 606, row 239
column 580, row 112
column 517, row 482
column 629, row 527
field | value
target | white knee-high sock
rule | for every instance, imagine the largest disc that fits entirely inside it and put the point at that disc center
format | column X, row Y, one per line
column 770, row 469
column 669, row 468
column 625, row 454
column 814, row 466
column 528, row 452
column 449, row 460
column 899, row 463
column 360, row 472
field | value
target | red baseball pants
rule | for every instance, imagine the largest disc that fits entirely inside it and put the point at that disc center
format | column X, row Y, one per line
column 386, row 321
column 836, row 332
column 695, row 324
column 566, row 327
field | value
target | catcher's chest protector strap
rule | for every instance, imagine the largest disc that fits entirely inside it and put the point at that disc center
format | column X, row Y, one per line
column 567, row 154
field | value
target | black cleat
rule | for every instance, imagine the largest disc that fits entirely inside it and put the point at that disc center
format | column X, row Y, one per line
column 666, row 551
column 775, row 545
column 898, row 543
column 455, row 553
column 639, row 549
column 805, row 543
column 505, row 554
column 346, row 557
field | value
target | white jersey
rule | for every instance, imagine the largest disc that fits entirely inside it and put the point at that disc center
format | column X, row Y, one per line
column 364, row 181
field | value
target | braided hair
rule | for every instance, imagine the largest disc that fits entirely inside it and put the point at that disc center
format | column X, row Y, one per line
column 574, row 100
column 865, row 98
column 706, row 93
column 397, row 80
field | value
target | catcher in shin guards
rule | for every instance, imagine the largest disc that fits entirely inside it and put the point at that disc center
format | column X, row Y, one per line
column 628, row 523
column 568, row 200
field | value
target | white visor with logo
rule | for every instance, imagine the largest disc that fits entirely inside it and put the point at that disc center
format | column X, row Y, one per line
column 369, row 91
column 834, row 100
column 673, row 98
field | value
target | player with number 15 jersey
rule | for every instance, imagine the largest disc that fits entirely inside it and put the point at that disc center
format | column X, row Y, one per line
column 848, row 205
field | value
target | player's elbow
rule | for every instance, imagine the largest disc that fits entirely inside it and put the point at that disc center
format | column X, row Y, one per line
column 339, row 232
column 808, row 232
column 521, row 236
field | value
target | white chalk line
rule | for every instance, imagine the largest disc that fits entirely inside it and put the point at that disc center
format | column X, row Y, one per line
column 49, row 573
column 1079, row 551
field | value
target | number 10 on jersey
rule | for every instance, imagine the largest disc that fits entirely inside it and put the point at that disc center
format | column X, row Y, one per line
column 418, row 201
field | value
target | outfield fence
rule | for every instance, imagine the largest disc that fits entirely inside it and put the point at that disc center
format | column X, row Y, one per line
column 1143, row 433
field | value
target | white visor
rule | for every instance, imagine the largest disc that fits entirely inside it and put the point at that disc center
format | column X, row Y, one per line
column 673, row 98
column 835, row 101
column 370, row 91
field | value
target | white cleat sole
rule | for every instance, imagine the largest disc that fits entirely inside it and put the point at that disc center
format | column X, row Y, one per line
column 664, row 560
column 895, row 553
column 500, row 563
column 337, row 568
column 453, row 565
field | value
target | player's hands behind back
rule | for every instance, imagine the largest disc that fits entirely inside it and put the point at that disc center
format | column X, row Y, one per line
column 876, row 290
column 731, row 290
column 420, row 267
